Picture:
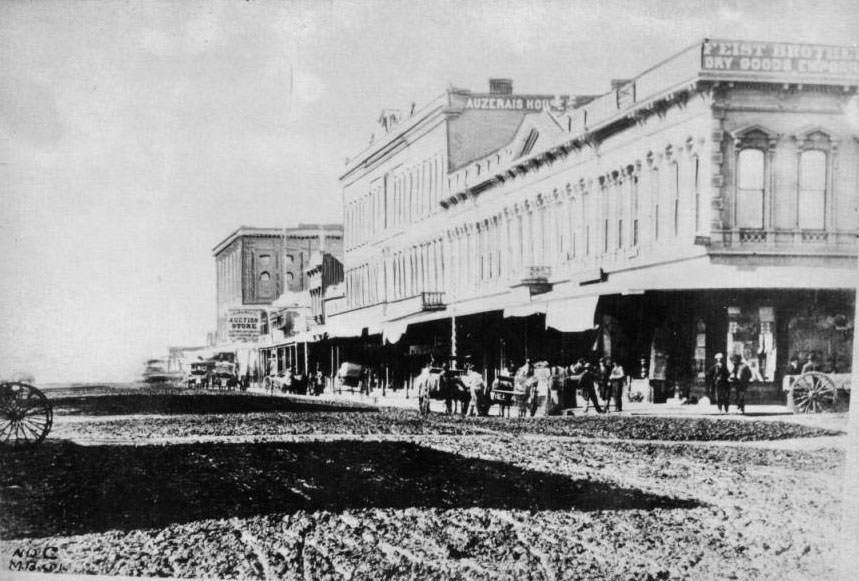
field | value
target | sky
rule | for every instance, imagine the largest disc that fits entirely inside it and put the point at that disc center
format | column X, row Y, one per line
column 134, row 136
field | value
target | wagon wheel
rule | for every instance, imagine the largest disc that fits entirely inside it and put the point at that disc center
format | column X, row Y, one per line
column 26, row 415
column 813, row 392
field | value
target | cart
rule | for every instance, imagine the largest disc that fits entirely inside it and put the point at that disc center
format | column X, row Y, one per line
column 815, row 391
column 26, row 415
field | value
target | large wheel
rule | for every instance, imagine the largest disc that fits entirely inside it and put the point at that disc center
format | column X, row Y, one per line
column 26, row 415
column 813, row 392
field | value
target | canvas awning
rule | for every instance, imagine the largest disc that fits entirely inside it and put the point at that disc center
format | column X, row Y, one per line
column 394, row 331
column 525, row 310
column 572, row 315
column 343, row 329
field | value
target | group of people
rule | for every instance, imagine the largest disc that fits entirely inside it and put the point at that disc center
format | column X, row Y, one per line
column 541, row 389
column 721, row 381
column 537, row 389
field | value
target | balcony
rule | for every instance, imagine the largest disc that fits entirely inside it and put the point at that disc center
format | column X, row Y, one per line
column 786, row 242
column 536, row 278
column 425, row 301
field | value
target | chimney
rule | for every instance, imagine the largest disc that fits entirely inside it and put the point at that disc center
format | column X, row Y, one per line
column 501, row 86
column 618, row 83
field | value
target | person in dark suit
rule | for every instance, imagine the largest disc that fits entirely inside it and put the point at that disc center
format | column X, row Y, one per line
column 741, row 375
column 587, row 385
column 718, row 386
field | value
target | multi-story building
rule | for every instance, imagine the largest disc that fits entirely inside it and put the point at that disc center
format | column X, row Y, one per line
column 257, row 266
column 392, row 194
column 707, row 205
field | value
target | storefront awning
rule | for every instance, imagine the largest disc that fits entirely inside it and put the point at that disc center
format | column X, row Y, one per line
column 572, row 315
column 344, row 329
column 525, row 310
column 393, row 332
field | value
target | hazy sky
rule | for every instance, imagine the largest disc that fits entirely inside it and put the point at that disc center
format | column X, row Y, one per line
column 136, row 135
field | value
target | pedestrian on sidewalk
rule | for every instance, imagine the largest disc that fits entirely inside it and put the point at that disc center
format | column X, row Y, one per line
column 540, row 390
column 603, row 372
column 474, row 383
column 617, row 378
column 718, row 386
column 741, row 375
column 522, row 387
column 586, row 384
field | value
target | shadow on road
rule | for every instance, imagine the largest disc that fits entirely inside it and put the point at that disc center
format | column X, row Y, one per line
column 63, row 488
column 194, row 403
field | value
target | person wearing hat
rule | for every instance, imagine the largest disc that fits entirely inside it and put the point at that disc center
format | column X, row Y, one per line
column 718, row 387
column 475, row 384
column 741, row 375
column 586, row 384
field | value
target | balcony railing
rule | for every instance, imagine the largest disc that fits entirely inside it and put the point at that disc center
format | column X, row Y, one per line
column 784, row 241
column 432, row 301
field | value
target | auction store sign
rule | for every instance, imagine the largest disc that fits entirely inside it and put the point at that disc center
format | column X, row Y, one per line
column 243, row 324
column 780, row 57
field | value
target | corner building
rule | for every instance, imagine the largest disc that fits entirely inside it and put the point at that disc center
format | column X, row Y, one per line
column 707, row 205
column 704, row 206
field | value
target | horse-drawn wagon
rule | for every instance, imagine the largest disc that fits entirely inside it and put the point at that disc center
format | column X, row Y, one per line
column 815, row 391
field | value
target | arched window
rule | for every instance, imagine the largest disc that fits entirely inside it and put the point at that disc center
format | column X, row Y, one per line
column 265, row 284
column 812, row 190
column 750, row 189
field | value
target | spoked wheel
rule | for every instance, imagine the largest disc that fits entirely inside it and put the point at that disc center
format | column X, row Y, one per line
column 813, row 392
column 26, row 415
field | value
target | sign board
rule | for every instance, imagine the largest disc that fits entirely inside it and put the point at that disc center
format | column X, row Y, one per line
column 491, row 102
column 780, row 57
column 243, row 324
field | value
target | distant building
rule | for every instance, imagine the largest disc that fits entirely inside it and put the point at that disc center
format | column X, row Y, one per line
column 255, row 266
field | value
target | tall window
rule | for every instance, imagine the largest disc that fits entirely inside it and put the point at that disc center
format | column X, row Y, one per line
column 654, row 196
column 750, row 189
column 605, row 233
column 696, row 191
column 675, row 195
column 812, row 190
column 634, row 210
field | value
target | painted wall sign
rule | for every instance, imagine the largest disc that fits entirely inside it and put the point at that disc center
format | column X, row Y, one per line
column 243, row 324
column 780, row 57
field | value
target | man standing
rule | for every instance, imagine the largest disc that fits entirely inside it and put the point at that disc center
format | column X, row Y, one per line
column 741, row 375
column 586, row 384
column 718, row 387
column 617, row 378
column 474, row 382
column 540, row 393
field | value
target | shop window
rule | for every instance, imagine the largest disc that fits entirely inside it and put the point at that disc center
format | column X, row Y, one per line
column 823, row 332
column 750, row 189
column 700, row 349
column 812, row 190
column 751, row 332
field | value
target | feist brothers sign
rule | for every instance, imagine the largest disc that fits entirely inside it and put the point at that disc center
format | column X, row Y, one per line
column 780, row 57
column 243, row 324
